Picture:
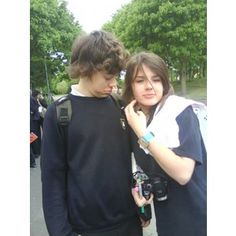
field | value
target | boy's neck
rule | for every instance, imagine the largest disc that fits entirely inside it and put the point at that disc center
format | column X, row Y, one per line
column 82, row 88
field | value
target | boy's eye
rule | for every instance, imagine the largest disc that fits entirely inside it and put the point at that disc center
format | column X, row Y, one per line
column 110, row 77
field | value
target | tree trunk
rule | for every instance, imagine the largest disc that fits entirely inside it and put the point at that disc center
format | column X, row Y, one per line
column 183, row 80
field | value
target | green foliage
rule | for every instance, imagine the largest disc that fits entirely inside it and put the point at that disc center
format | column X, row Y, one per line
column 175, row 30
column 120, row 83
column 62, row 76
column 62, row 87
column 52, row 29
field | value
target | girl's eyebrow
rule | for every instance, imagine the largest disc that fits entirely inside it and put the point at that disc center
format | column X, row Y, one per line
column 143, row 76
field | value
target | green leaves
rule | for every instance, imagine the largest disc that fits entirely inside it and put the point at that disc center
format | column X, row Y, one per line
column 52, row 28
column 175, row 30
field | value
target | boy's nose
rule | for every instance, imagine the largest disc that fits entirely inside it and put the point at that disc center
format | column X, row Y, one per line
column 113, row 82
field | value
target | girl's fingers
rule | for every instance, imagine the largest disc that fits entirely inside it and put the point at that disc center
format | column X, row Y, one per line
column 130, row 107
column 139, row 200
column 149, row 201
column 144, row 223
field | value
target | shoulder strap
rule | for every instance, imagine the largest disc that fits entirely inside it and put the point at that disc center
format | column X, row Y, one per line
column 64, row 110
column 119, row 104
column 117, row 99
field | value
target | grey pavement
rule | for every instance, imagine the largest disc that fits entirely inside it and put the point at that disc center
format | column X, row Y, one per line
column 37, row 223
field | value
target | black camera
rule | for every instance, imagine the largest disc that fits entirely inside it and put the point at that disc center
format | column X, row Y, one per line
column 159, row 188
column 146, row 188
column 156, row 185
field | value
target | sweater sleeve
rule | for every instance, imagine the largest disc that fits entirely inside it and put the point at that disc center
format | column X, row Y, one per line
column 53, row 176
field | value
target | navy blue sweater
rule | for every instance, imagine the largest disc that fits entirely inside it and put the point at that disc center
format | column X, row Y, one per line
column 86, row 186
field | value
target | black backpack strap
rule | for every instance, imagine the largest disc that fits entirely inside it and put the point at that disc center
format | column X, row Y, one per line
column 64, row 113
column 117, row 99
column 119, row 104
column 64, row 110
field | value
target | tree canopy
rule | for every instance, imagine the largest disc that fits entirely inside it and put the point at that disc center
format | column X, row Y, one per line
column 52, row 29
column 173, row 29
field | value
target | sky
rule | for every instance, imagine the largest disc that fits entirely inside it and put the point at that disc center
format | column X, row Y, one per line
column 92, row 14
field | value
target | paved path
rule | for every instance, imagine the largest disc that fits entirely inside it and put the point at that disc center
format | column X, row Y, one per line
column 37, row 223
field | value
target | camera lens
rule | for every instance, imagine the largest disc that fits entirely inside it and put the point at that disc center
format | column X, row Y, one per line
column 159, row 187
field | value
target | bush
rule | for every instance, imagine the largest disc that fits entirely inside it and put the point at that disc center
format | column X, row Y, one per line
column 62, row 87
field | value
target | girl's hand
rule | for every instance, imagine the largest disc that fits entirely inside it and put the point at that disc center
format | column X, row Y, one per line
column 140, row 200
column 145, row 223
column 136, row 119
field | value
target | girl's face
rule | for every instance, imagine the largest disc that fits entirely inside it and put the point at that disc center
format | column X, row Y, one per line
column 147, row 87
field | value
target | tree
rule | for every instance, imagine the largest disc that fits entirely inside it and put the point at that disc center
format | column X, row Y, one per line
column 52, row 29
column 175, row 30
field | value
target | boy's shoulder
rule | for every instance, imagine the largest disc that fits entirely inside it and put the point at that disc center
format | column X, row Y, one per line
column 64, row 107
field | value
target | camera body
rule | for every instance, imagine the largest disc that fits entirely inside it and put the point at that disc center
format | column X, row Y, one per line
column 146, row 188
column 156, row 185
column 159, row 188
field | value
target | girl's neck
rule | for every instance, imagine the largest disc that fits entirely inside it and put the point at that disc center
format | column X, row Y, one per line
column 146, row 110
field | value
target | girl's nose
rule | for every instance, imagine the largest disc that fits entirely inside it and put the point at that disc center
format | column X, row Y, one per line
column 148, row 84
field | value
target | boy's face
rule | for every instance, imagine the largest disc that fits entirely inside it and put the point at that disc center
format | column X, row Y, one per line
column 102, row 84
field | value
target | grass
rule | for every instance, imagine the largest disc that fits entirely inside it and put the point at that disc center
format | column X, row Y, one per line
column 195, row 89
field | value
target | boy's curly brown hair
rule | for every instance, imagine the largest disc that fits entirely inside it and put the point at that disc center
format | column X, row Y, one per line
column 98, row 51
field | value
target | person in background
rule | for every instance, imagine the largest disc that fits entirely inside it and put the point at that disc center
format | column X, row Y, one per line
column 168, row 146
column 86, row 174
column 42, row 107
column 33, row 137
column 35, row 125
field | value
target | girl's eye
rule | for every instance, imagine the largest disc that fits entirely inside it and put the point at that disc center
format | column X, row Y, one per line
column 139, row 80
column 156, row 79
